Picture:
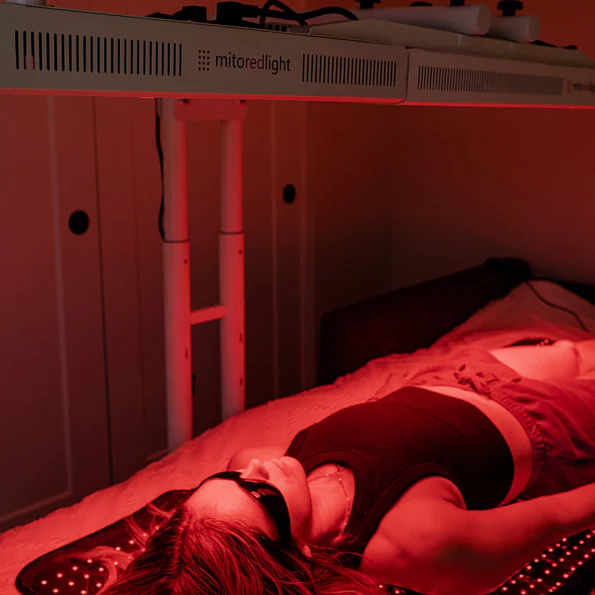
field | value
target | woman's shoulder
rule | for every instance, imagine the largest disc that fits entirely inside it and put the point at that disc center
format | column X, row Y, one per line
column 410, row 529
column 416, row 512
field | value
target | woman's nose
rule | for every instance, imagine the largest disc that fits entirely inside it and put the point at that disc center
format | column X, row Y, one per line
column 255, row 469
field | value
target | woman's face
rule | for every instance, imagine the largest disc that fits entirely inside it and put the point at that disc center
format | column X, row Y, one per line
column 223, row 498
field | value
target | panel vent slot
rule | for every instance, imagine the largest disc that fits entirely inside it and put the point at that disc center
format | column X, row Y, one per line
column 277, row 27
column 440, row 78
column 65, row 52
column 338, row 70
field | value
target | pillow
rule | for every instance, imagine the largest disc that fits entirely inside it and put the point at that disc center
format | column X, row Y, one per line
column 412, row 318
column 584, row 290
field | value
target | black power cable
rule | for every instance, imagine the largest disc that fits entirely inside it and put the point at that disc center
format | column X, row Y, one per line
column 302, row 17
column 232, row 12
column 558, row 307
column 338, row 10
column 286, row 9
column 160, row 154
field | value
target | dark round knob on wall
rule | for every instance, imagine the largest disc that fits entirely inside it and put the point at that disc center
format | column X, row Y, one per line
column 509, row 8
column 289, row 194
column 78, row 222
column 367, row 4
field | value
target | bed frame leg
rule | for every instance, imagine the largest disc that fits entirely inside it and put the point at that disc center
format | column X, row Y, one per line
column 176, row 262
column 231, row 273
column 176, row 278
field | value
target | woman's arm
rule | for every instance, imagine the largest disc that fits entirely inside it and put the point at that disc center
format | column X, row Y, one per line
column 476, row 551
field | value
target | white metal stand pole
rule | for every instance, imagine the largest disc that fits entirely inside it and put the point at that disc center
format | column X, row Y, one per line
column 231, row 273
column 176, row 279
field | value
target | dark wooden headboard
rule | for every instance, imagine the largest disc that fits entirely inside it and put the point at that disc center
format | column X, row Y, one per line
column 412, row 318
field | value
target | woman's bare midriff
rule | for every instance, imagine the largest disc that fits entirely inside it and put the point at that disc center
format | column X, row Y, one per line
column 509, row 426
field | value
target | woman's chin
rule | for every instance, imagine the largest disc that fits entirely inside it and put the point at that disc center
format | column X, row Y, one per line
column 294, row 465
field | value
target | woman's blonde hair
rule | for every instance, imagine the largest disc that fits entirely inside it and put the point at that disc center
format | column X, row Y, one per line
column 183, row 554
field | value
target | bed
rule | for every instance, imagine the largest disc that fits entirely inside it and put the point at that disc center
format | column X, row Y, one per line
column 534, row 308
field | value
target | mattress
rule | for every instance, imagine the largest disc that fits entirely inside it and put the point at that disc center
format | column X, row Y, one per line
column 538, row 309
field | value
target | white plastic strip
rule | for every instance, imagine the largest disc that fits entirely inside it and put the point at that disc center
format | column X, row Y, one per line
column 471, row 20
column 520, row 29
column 207, row 315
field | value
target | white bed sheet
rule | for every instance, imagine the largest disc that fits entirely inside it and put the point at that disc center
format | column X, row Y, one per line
column 519, row 315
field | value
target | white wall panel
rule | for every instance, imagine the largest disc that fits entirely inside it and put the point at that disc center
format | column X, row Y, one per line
column 53, row 429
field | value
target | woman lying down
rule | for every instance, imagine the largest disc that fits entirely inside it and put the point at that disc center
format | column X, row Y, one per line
column 448, row 486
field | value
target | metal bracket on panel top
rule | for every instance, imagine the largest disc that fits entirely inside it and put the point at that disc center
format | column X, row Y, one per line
column 204, row 110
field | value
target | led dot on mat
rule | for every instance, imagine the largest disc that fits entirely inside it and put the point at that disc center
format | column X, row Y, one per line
column 565, row 575
column 71, row 584
column 531, row 586
column 529, row 568
column 580, row 563
column 565, row 539
column 505, row 588
column 540, row 580
column 86, row 576
column 59, row 575
column 523, row 592
column 568, row 553
column 83, row 592
column 547, row 571
column 115, row 563
column 521, row 576
column 561, row 559
column 131, row 542
column 75, row 568
column 573, row 568
column 44, row 582
column 145, row 535
column 101, row 569
column 89, row 561
column 558, row 584
column 554, row 565
column 55, row 590
column 98, row 585
column 587, row 556
column 118, row 548
column 513, row 582
column 551, row 549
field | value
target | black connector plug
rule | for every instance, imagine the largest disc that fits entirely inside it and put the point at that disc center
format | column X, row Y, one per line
column 197, row 14
column 233, row 13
